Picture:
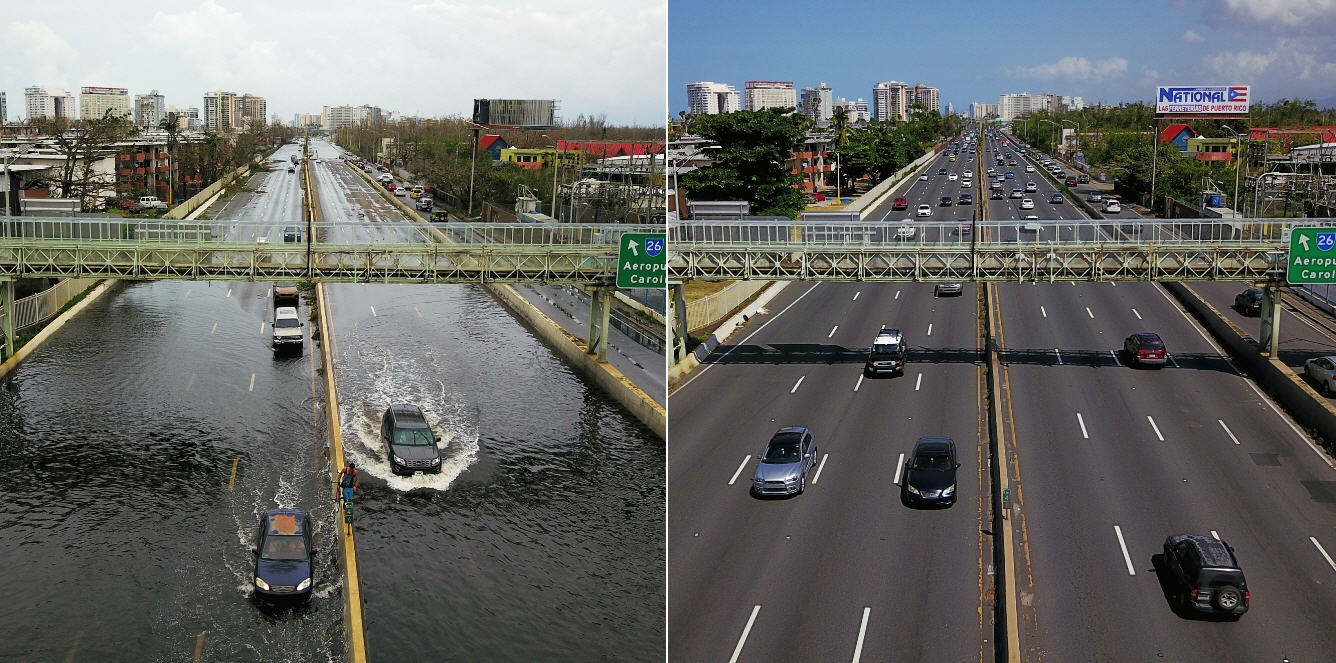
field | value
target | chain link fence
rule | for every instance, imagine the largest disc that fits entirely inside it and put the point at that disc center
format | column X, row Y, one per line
column 708, row 310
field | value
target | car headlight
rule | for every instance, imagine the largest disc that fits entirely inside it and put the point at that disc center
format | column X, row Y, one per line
column 261, row 583
column 436, row 461
column 912, row 489
column 304, row 584
column 398, row 460
column 950, row 490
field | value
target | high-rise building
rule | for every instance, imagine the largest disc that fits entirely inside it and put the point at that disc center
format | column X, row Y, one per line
column 186, row 118
column 889, row 101
column 758, row 95
column 333, row 118
column 250, row 108
column 4, row 109
column 709, row 98
column 816, row 102
column 860, row 105
column 95, row 102
column 925, row 95
column 149, row 109
column 48, row 102
column 220, row 110
column 1073, row 103
column 1012, row 106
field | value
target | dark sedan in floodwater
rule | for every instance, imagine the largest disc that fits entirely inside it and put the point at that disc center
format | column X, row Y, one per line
column 284, row 555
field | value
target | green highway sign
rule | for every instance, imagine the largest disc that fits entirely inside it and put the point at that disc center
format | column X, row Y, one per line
column 1312, row 256
column 642, row 262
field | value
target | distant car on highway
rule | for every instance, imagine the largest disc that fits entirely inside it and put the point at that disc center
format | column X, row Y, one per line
column 923, row 177
column 424, row 204
column 952, row 177
column 1027, row 203
column 284, row 556
column 966, row 199
column 409, row 440
column 1016, row 193
column 1322, row 371
column 1010, row 175
column 946, row 201
column 1249, row 302
column 1029, row 168
column 948, row 288
column 1056, row 199
column 1145, row 349
column 1070, row 181
column 1203, row 575
column 1094, row 197
column 401, row 192
column 789, row 455
column 900, row 203
column 1032, row 224
column 287, row 329
column 1031, row 187
column 930, row 473
column 924, row 210
column 941, row 171
column 1112, row 206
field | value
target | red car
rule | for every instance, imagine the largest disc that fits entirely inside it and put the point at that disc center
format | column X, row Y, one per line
column 391, row 186
column 900, row 203
column 1071, row 181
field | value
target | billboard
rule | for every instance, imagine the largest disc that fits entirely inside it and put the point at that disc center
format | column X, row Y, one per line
column 1228, row 99
column 515, row 113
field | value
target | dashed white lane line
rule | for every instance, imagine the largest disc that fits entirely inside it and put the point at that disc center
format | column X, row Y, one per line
column 1115, row 357
column 1059, row 354
column 415, row 309
column 1131, row 571
column 856, row 294
column 820, row 467
column 899, row 467
column 252, row 384
column 1228, row 432
column 214, row 329
column 1157, row 428
column 737, row 651
column 1081, row 420
column 918, row 382
column 929, row 329
column 1173, row 361
column 797, row 384
column 1324, row 553
column 229, row 292
column 1092, row 315
column 745, row 459
column 859, row 383
column 190, row 383
column 261, row 327
column 862, row 631
column 1214, row 535
column 1138, row 315
column 373, row 312
column 1041, row 310
column 897, row 295
column 832, row 331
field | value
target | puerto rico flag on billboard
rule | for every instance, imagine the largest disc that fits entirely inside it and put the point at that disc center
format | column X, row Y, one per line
column 1204, row 100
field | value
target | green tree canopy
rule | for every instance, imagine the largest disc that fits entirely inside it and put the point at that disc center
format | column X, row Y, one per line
column 751, row 162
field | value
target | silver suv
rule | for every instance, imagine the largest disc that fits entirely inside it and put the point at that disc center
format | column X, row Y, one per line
column 788, row 457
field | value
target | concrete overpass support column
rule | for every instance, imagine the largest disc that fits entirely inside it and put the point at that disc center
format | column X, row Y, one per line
column 598, row 322
column 7, row 301
column 677, row 321
column 1269, row 340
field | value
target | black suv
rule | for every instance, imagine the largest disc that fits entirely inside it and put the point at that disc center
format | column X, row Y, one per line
column 410, row 443
column 1204, row 575
column 1249, row 302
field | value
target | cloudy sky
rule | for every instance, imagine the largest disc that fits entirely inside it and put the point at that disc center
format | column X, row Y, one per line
column 974, row 51
column 428, row 58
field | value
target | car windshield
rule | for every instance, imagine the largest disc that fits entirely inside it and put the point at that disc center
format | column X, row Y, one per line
column 780, row 452
column 931, row 462
column 286, row 323
column 281, row 547
column 413, row 436
column 887, row 350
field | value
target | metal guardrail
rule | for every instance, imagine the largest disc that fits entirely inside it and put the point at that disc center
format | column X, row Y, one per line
column 44, row 305
column 711, row 309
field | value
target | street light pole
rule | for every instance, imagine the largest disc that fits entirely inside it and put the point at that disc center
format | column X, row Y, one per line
column 1154, row 158
column 1238, row 144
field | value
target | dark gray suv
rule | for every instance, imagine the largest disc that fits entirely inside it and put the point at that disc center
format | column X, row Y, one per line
column 409, row 441
column 1204, row 575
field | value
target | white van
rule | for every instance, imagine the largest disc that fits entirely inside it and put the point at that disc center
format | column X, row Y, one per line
column 1112, row 206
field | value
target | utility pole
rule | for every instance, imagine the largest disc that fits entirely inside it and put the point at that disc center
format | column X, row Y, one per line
column 1154, row 159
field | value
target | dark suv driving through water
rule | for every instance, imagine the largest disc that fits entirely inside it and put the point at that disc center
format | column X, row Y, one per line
column 410, row 443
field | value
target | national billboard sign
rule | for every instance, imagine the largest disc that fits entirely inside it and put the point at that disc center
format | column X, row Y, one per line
column 1231, row 99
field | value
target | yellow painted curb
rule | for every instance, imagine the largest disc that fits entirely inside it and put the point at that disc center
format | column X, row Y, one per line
column 41, row 337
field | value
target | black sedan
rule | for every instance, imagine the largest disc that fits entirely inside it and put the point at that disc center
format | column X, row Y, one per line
column 930, row 474
column 946, row 201
column 1249, row 302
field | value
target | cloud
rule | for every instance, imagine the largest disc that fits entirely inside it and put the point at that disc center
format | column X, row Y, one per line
column 1289, row 13
column 1072, row 67
column 1192, row 36
column 54, row 66
column 1240, row 65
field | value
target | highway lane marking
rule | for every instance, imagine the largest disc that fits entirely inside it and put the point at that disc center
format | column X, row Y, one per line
column 832, row 331
column 897, row 295
column 187, row 296
column 748, row 337
column 190, row 382
column 899, row 466
column 1214, row 535
column 69, row 658
column 860, row 382
column 252, row 384
column 1113, row 283
column 796, row 384
column 229, row 292
column 1055, row 351
column 856, row 294
column 1115, row 357
column 918, row 382
column 820, row 467
column 1173, row 361
column 1081, row 420
column 1138, row 315
column 261, row 326
column 1324, row 553
column 1217, row 348
column 232, row 481
column 1131, row 571
column 1092, row 315
column 1228, row 432
column 415, row 309
column 214, row 329
column 929, row 329
column 740, row 468
column 1041, row 310
column 269, row 293
column 373, row 311
column 743, row 640
column 862, row 631
column 199, row 646
column 1157, row 428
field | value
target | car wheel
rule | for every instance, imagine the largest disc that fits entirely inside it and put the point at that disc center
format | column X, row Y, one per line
column 1228, row 598
column 1327, row 387
column 802, row 484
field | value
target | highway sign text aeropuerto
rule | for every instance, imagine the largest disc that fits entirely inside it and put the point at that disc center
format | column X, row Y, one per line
column 642, row 261
column 1312, row 256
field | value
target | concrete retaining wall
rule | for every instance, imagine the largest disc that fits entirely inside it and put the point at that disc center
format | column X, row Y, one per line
column 722, row 332
column 876, row 194
column 1310, row 409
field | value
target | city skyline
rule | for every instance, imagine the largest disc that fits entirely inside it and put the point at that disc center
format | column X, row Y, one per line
column 278, row 52
column 1280, row 49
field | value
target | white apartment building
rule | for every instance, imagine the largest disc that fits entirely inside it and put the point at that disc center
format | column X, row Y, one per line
column 4, row 110
column 149, row 109
column 926, row 95
column 817, row 102
column 710, row 98
column 186, row 118
column 861, row 105
column 758, row 95
column 94, row 102
column 333, row 118
column 1012, row 106
column 48, row 102
column 889, row 101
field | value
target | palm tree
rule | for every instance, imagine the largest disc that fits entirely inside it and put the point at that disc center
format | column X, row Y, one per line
column 173, row 128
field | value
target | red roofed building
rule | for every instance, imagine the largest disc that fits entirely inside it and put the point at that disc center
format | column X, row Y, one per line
column 1178, row 133
column 606, row 150
column 492, row 143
